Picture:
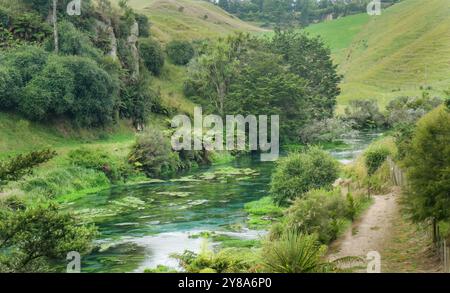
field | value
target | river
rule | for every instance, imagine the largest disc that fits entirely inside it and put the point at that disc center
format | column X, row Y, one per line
column 142, row 225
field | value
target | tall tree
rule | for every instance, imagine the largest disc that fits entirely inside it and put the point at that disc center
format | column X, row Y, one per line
column 428, row 168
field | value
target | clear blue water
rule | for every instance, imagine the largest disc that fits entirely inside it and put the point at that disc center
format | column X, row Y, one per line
column 142, row 225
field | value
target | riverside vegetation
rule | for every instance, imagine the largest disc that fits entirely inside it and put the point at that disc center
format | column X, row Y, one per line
column 84, row 107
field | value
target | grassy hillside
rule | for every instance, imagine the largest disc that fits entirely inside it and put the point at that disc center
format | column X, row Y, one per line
column 169, row 21
column 189, row 19
column 401, row 52
column 185, row 20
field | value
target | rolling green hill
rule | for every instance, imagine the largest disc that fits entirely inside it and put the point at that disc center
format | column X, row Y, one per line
column 401, row 52
column 189, row 19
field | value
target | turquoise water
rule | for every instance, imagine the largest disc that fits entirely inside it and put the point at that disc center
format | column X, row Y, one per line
column 142, row 225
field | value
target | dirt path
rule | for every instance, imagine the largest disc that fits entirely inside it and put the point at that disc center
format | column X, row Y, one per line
column 403, row 246
column 371, row 231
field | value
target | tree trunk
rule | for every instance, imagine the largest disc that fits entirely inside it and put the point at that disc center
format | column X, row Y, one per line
column 55, row 25
column 435, row 230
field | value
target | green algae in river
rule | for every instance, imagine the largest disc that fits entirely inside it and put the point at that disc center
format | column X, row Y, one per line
column 175, row 193
column 162, row 227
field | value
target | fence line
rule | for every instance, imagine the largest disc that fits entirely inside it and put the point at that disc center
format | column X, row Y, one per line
column 443, row 251
column 397, row 175
column 398, row 178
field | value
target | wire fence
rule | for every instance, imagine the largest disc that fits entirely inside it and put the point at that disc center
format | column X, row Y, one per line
column 443, row 251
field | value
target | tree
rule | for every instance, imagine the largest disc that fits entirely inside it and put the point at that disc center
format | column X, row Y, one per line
column 10, row 87
column 137, row 101
column 72, row 41
column 152, row 154
column 374, row 157
column 211, row 75
column 152, row 55
column 264, row 87
column 310, row 59
column 35, row 236
column 21, row 165
column 300, row 172
column 365, row 114
column 27, row 60
column 428, row 168
column 180, row 52
column 73, row 87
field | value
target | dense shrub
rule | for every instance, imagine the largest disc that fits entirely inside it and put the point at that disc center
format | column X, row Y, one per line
column 36, row 236
column 99, row 160
column 229, row 260
column 380, row 180
column 50, row 93
column 144, row 25
column 299, row 172
column 71, row 86
column 365, row 114
column 152, row 153
column 30, row 27
column 319, row 212
column 180, row 52
column 138, row 100
column 152, row 55
column 74, row 42
column 408, row 110
column 374, row 157
column 28, row 60
column 327, row 130
column 10, row 87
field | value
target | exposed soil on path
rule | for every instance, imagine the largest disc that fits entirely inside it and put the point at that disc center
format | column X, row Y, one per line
column 383, row 228
column 371, row 231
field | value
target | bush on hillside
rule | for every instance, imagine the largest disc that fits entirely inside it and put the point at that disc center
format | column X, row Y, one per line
column 300, row 172
column 74, row 42
column 152, row 153
column 27, row 60
column 152, row 55
column 180, row 52
column 30, row 27
column 137, row 101
column 144, row 25
column 10, row 87
column 73, row 87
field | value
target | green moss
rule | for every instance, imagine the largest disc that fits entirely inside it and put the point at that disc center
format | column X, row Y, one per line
column 262, row 213
column 160, row 269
